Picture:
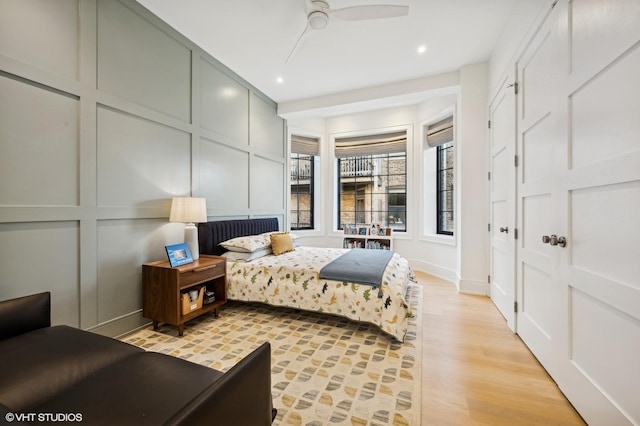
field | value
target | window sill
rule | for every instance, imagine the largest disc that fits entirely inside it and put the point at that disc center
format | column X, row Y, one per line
column 449, row 240
column 400, row 235
column 307, row 232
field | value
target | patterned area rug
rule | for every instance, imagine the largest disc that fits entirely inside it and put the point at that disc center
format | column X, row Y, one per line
column 325, row 370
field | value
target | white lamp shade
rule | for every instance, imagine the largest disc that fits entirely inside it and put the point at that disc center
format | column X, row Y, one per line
column 188, row 210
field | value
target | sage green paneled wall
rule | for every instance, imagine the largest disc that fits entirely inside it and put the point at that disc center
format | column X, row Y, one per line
column 105, row 114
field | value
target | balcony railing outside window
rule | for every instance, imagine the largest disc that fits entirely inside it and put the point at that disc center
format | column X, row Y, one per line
column 351, row 167
column 300, row 171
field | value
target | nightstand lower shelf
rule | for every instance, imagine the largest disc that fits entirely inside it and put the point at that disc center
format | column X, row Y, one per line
column 211, row 307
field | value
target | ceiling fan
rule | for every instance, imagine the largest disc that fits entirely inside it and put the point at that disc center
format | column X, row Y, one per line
column 320, row 13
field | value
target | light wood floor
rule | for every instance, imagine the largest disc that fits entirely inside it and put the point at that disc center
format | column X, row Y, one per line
column 475, row 371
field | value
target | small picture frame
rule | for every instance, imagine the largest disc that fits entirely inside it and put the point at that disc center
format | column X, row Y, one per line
column 179, row 254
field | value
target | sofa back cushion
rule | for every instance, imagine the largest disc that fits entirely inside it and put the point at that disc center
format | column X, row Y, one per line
column 143, row 389
column 37, row 365
column 24, row 314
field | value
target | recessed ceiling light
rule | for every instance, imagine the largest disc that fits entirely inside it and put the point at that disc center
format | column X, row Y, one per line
column 280, row 80
column 422, row 49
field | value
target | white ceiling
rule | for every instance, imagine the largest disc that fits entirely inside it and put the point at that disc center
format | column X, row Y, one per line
column 254, row 38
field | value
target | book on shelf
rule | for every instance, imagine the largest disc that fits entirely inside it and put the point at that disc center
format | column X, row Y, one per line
column 366, row 229
column 350, row 244
column 378, row 245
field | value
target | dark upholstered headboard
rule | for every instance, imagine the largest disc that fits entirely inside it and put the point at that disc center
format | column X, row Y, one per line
column 210, row 234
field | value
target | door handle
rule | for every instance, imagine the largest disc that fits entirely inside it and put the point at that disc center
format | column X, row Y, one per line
column 562, row 241
column 505, row 229
column 554, row 240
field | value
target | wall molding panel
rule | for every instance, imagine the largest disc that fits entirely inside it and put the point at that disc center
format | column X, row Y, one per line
column 109, row 114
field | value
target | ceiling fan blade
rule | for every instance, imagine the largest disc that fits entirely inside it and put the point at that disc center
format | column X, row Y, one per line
column 295, row 46
column 361, row 13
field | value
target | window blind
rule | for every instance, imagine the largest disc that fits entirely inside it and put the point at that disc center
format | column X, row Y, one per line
column 305, row 145
column 440, row 132
column 371, row 145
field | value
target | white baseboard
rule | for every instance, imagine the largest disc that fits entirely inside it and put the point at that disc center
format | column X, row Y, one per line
column 476, row 287
column 435, row 270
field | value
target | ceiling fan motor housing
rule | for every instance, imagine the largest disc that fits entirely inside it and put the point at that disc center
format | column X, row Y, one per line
column 318, row 20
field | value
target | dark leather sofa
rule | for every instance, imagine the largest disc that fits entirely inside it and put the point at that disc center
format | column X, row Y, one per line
column 58, row 374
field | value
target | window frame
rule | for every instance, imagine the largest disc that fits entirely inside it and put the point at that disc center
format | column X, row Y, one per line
column 312, row 160
column 373, row 159
column 440, row 209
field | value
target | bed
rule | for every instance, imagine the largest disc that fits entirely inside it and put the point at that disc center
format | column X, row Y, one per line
column 292, row 279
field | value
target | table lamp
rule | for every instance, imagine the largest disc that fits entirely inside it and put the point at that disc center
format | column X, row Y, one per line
column 190, row 211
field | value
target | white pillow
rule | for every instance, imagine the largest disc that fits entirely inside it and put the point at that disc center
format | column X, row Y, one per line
column 247, row 244
column 251, row 243
column 291, row 234
column 234, row 256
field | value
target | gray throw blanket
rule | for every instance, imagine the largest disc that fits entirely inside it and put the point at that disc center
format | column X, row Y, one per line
column 360, row 266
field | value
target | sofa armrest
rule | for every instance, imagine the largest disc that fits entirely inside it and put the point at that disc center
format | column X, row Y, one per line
column 24, row 314
column 242, row 396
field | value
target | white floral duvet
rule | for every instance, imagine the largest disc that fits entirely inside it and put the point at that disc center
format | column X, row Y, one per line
column 291, row 280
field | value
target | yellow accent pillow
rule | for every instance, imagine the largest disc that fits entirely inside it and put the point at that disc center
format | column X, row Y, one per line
column 281, row 243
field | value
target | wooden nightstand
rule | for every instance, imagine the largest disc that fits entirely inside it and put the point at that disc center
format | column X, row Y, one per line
column 163, row 287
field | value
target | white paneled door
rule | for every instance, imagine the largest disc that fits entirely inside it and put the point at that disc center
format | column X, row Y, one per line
column 600, row 185
column 578, row 203
column 502, row 136
column 541, row 148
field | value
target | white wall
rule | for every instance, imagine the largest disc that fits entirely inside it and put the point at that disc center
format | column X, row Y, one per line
column 472, row 194
column 436, row 254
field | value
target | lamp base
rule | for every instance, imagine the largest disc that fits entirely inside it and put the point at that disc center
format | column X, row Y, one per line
column 191, row 238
